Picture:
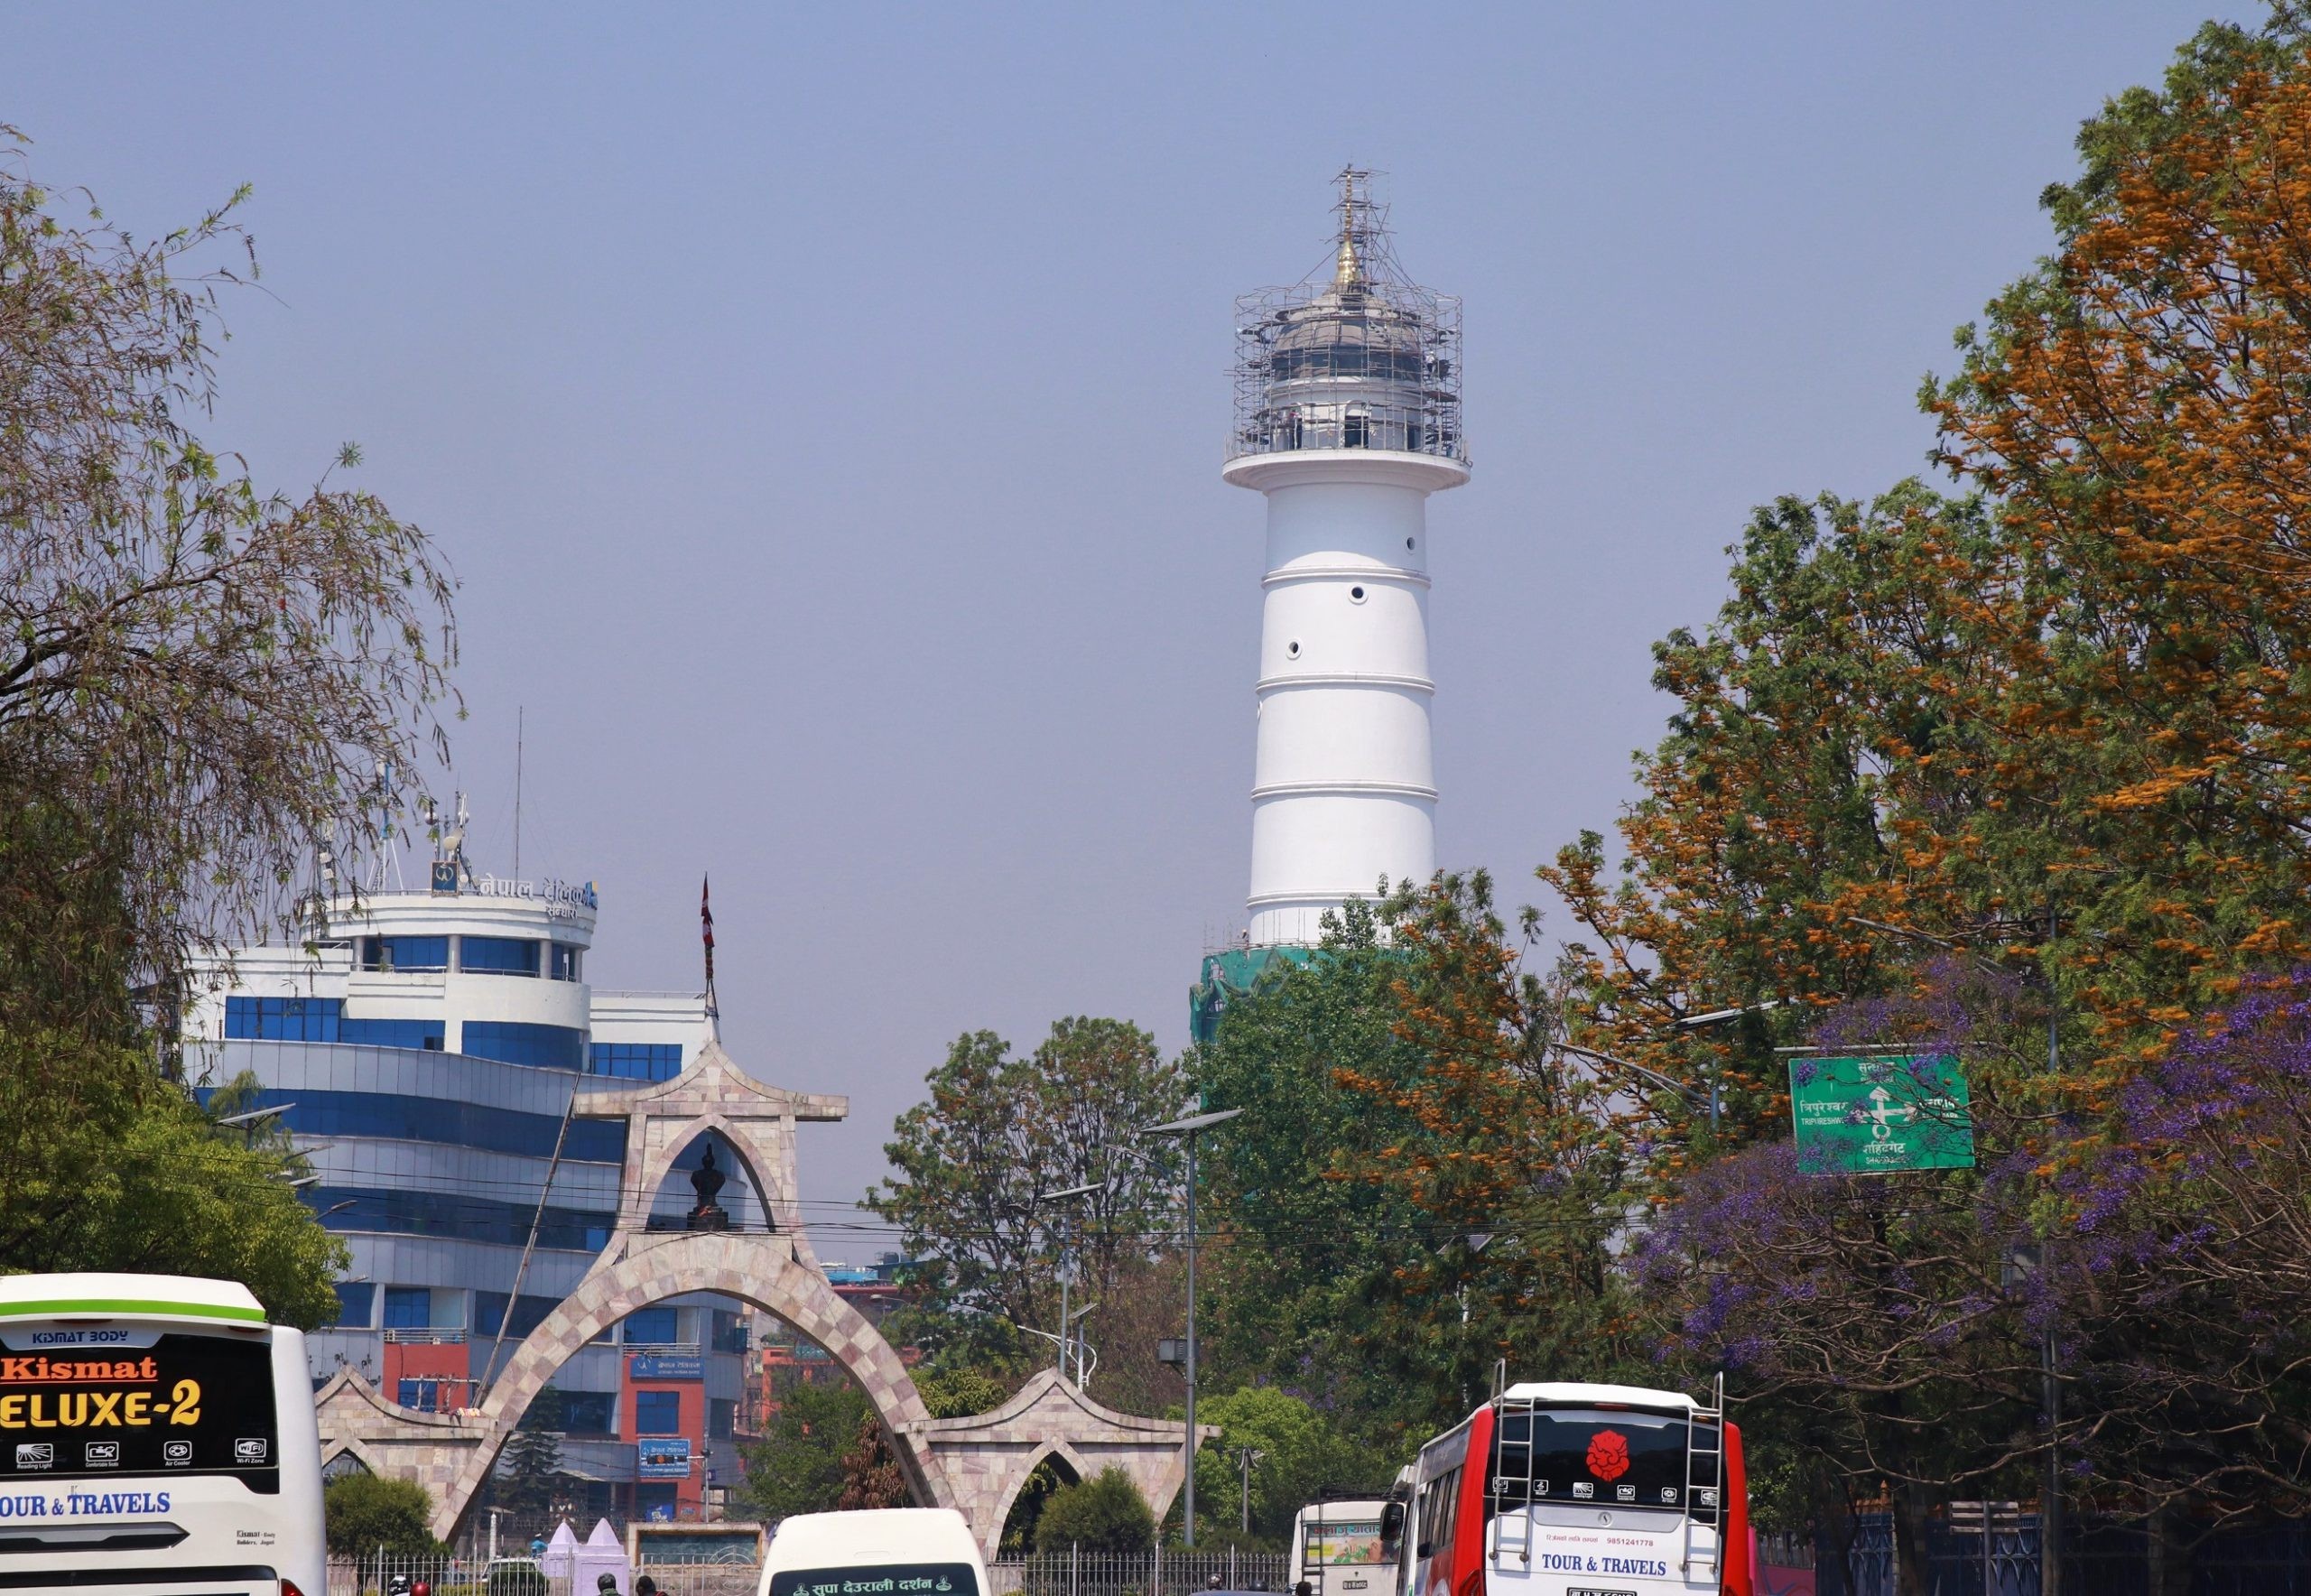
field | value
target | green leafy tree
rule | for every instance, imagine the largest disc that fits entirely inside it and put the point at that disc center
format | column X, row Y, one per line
column 199, row 677
column 1301, row 1455
column 799, row 1464
column 364, row 1513
column 1419, row 1184
column 957, row 1393
column 206, row 672
column 868, row 1468
column 1104, row 1515
column 1303, row 1241
column 978, row 1161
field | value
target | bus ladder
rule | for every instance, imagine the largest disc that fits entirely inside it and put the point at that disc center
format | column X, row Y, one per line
column 1705, row 1471
column 1511, row 1490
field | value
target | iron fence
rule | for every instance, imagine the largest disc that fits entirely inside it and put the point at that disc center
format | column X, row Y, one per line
column 1154, row 1573
column 382, row 1575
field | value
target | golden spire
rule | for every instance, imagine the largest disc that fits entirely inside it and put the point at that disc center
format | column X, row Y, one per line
column 1351, row 270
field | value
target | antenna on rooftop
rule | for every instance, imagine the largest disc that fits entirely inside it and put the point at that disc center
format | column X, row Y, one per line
column 388, row 843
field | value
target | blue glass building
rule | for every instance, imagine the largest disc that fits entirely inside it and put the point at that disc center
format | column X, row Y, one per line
column 423, row 1052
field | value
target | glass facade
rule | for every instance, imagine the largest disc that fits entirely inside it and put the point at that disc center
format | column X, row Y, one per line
column 650, row 1327
column 322, row 1019
column 326, row 1114
column 636, row 1060
column 497, row 955
column 488, row 1306
column 518, row 1041
column 419, row 1035
column 463, row 1219
column 388, row 954
column 281, row 1019
column 355, row 1299
column 657, row 1413
column 425, row 1396
column 589, row 1413
column 408, row 1307
column 562, row 961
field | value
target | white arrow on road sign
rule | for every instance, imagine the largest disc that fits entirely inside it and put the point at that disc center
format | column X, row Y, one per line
column 1881, row 1113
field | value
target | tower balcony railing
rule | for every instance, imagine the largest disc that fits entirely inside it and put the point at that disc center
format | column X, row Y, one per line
column 1411, row 430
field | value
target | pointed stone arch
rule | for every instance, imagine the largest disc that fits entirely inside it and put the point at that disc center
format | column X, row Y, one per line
column 1060, row 1449
column 658, row 1165
column 987, row 1457
column 760, row 1270
column 355, row 1448
column 356, row 1418
column 756, row 1120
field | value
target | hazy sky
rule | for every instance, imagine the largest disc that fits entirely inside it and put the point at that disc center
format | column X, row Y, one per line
column 823, row 409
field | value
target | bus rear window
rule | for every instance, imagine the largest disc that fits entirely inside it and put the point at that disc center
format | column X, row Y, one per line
column 1624, row 1458
column 177, row 1404
column 879, row 1578
column 1346, row 1544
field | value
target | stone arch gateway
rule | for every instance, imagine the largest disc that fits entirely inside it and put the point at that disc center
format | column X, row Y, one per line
column 760, row 1270
column 973, row 1464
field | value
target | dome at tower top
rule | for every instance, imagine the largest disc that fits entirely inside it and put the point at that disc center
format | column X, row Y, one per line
column 1359, row 358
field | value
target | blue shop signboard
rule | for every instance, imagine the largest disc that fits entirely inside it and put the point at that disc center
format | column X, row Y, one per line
column 663, row 1457
column 666, row 1365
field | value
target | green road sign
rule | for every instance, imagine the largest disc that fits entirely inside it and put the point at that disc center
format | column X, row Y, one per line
column 1881, row 1113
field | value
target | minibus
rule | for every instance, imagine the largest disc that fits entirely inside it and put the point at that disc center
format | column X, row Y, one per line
column 156, row 1434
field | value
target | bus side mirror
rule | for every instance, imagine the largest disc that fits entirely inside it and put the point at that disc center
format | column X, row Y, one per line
column 1392, row 1522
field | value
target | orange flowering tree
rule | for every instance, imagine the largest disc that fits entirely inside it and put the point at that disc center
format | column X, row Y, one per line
column 2052, row 728
column 2061, row 722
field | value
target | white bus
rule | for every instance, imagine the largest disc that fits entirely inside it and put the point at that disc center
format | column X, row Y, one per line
column 156, row 1435
column 882, row 1552
column 1346, row 1548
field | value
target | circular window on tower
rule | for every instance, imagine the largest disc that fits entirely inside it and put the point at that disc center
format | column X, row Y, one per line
column 1356, row 595
column 1292, row 649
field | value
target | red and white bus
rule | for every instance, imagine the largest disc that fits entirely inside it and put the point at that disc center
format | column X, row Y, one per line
column 1572, row 1490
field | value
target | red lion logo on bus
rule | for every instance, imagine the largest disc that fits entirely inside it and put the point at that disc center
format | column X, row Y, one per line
column 1609, row 1454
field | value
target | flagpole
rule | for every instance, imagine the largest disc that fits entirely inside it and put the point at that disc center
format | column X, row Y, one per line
column 706, row 934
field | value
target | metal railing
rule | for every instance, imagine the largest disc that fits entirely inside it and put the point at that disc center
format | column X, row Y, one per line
column 451, row 1576
column 1154, row 1572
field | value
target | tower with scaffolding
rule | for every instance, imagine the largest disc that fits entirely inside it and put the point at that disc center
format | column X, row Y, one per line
column 1347, row 417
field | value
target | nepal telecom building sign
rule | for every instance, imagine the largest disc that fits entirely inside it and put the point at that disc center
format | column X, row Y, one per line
column 1880, row 1113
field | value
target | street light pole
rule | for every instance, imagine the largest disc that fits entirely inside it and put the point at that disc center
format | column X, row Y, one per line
column 1065, row 1276
column 1246, row 1456
column 1186, row 1130
column 2050, row 1513
column 1715, row 1016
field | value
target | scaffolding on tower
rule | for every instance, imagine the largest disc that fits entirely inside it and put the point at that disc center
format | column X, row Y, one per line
column 1354, row 356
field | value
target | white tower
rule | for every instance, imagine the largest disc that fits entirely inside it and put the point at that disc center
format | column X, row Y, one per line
column 1348, row 416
